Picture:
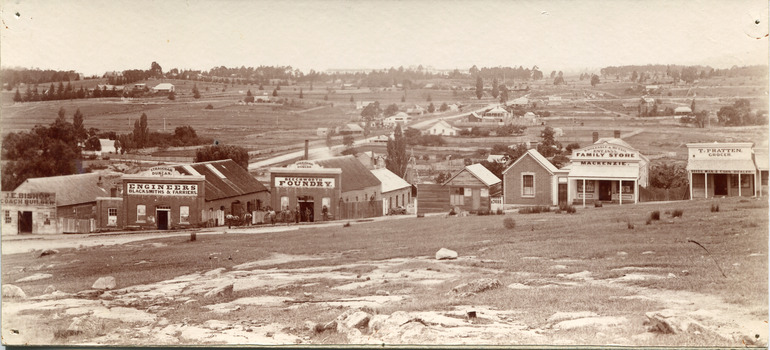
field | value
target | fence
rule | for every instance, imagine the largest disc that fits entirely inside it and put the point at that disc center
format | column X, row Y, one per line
column 359, row 210
column 69, row 225
column 653, row 194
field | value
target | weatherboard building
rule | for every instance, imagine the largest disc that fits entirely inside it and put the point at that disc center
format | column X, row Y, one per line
column 725, row 170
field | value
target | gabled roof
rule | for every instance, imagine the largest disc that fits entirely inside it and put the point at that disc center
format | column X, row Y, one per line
column 355, row 176
column 353, row 127
column 389, row 180
column 682, row 110
column 497, row 109
column 481, row 173
column 69, row 189
column 613, row 140
column 547, row 165
column 163, row 86
column 224, row 178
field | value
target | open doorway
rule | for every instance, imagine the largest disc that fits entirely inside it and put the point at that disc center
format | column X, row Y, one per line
column 306, row 208
column 605, row 190
column 25, row 222
column 720, row 184
column 163, row 216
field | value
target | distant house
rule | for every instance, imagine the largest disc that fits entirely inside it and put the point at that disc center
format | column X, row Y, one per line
column 442, row 128
column 351, row 129
column 453, row 107
column 363, row 104
column 682, row 111
column 163, row 87
column 400, row 118
column 497, row 114
column 264, row 98
column 322, row 131
column 519, row 102
column 497, row 158
column 415, row 110
column 474, row 118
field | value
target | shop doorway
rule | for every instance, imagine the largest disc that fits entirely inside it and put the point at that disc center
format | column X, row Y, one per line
column 306, row 208
column 562, row 194
column 25, row 222
column 720, row 184
column 163, row 216
column 605, row 190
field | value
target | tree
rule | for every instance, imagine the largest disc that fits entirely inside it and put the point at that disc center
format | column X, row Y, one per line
column 429, row 98
column 397, row 159
column 275, row 92
column 196, row 93
column 17, row 95
column 403, row 98
column 40, row 152
column 301, row 95
column 548, row 147
column 503, row 94
column 218, row 152
column 571, row 147
column 141, row 132
column 348, row 140
column 171, row 96
column 668, row 175
column 329, row 138
column 156, row 70
column 594, row 80
column 77, row 124
column 431, row 108
column 479, row 87
column 351, row 99
column 391, row 110
column 371, row 111
column 495, row 88
column 443, row 108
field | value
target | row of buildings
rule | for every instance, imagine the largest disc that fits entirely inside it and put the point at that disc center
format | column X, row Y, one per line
column 342, row 188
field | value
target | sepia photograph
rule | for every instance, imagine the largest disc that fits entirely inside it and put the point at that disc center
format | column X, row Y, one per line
column 384, row 173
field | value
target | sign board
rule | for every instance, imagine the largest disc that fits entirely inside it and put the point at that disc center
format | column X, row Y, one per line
column 605, row 153
column 304, row 182
column 304, row 164
column 161, row 189
column 162, row 171
column 718, row 153
column 29, row 199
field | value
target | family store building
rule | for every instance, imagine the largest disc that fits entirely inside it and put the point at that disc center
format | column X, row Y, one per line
column 721, row 169
column 610, row 170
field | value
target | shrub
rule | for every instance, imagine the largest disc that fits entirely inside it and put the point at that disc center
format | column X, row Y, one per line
column 677, row 213
column 630, row 224
column 598, row 204
column 509, row 223
column 499, row 211
column 347, row 224
column 209, row 106
column 535, row 209
column 714, row 208
column 655, row 215
column 483, row 212
column 649, row 221
column 568, row 208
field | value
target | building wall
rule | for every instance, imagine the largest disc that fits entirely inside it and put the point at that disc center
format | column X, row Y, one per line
column 512, row 182
column 397, row 198
column 217, row 210
column 155, row 201
column 44, row 220
column 472, row 192
column 102, row 208
column 576, row 194
column 432, row 198
column 333, row 193
column 699, row 188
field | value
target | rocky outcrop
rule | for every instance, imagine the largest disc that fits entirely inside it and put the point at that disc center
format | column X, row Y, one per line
column 446, row 254
column 107, row 282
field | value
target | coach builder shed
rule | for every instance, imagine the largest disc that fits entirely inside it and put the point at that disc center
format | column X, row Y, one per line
column 533, row 180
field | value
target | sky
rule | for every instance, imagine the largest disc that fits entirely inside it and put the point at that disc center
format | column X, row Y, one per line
column 93, row 36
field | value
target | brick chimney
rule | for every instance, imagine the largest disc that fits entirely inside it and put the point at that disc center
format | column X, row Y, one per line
column 617, row 134
column 307, row 145
column 596, row 136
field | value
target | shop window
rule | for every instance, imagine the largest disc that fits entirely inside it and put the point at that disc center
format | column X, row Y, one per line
column 7, row 216
column 484, row 192
column 589, row 186
column 184, row 214
column 141, row 213
column 468, row 191
column 745, row 183
column 627, row 188
column 527, row 185
column 457, row 196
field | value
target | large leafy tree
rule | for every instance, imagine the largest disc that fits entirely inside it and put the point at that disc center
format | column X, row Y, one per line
column 219, row 152
column 77, row 124
column 397, row 159
column 479, row 87
column 667, row 176
column 41, row 152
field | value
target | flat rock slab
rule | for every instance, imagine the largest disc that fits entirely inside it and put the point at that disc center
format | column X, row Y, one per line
column 605, row 321
column 35, row 277
column 107, row 282
column 561, row 316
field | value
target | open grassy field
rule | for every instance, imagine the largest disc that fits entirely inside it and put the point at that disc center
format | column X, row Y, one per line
column 583, row 278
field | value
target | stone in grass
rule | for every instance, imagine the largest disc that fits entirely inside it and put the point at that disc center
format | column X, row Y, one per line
column 670, row 322
column 35, row 277
column 477, row 286
column 446, row 254
column 50, row 289
column 48, row 252
column 83, row 325
column 222, row 291
column 107, row 282
column 11, row 291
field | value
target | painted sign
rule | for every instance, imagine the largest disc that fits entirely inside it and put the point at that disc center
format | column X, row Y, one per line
column 717, row 153
column 605, row 153
column 161, row 189
column 304, row 164
column 304, row 182
column 29, row 199
column 162, row 171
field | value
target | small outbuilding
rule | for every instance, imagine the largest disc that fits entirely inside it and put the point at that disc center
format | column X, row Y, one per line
column 474, row 188
column 533, row 180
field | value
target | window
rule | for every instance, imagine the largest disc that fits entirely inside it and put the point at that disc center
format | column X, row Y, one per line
column 284, row 202
column 112, row 216
column 184, row 214
column 484, row 192
column 7, row 216
column 141, row 213
column 527, row 185
column 744, row 180
column 457, row 196
column 589, row 186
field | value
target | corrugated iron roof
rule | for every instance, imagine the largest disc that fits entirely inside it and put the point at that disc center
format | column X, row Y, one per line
column 483, row 174
column 761, row 158
column 69, row 189
column 389, row 180
column 355, row 176
column 224, row 178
